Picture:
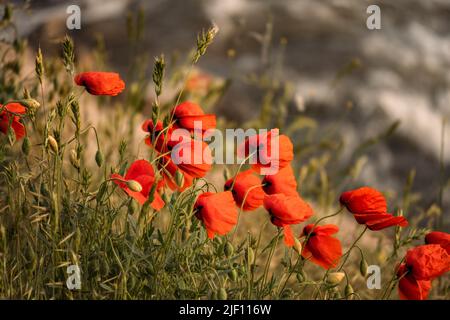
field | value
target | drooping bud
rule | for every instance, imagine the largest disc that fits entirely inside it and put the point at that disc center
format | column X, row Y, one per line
column 349, row 291
column 26, row 146
column 334, row 278
column 133, row 185
column 99, row 158
column 363, row 266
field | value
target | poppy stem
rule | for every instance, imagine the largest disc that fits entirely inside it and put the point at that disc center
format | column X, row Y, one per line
column 347, row 254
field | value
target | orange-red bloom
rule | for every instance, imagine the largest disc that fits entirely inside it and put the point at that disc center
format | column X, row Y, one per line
column 427, row 262
column 369, row 207
column 156, row 137
column 410, row 288
column 246, row 186
column 422, row 264
column 168, row 171
column 142, row 172
column 187, row 113
column 217, row 211
column 286, row 210
column 193, row 157
column 161, row 138
column 440, row 238
column 282, row 182
column 321, row 248
column 9, row 116
column 101, row 83
column 270, row 151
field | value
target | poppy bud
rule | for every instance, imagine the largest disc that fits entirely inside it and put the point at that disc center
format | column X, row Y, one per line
column 222, row 294
column 26, row 146
column 334, row 278
column 134, row 185
column 297, row 246
column 349, row 291
column 99, row 158
column 228, row 249
column 179, row 178
column 363, row 267
column 233, row 275
column 53, row 144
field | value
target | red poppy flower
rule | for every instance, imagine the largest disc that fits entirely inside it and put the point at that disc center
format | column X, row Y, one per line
column 286, row 210
column 369, row 207
column 187, row 113
column 155, row 133
column 269, row 152
column 321, row 248
column 410, row 288
column 427, row 262
column 440, row 238
column 101, row 83
column 217, row 211
column 246, row 186
column 282, row 182
column 140, row 171
column 168, row 170
column 192, row 156
column 9, row 114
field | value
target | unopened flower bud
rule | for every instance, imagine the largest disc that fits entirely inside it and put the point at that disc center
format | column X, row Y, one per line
column 228, row 249
column 133, row 185
column 222, row 294
column 349, row 291
column 334, row 278
column 26, row 146
column 99, row 158
column 363, row 267
column 297, row 246
column 233, row 275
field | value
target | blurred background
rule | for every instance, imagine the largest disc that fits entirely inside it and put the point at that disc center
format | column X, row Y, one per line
column 398, row 75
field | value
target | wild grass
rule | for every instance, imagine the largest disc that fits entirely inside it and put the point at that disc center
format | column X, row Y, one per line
column 58, row 206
